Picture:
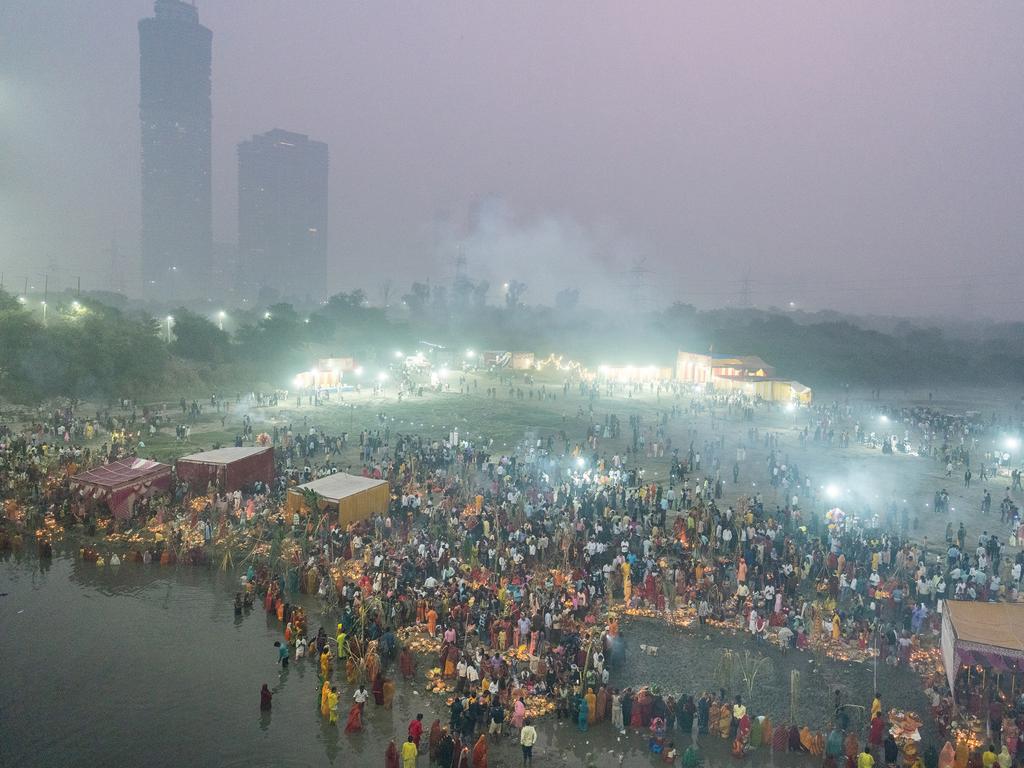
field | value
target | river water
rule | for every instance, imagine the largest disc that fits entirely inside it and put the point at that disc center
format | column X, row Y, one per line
column 148, row 665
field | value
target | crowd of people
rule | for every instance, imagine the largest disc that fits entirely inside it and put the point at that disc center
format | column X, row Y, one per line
column 512, row 572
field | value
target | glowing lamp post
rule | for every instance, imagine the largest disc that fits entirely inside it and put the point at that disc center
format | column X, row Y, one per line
column 1012, row 445
column 220, row 319
column 169, row 321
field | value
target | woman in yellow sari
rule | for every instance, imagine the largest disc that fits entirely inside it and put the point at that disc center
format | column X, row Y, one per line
column 372, row 665
column 835, row 626
column 807, row 739
column 724, row 719
column 351, row 671
column 332, row 706
column 451, row 657
column 961, row 755
column 325, row 692
column 591, row 700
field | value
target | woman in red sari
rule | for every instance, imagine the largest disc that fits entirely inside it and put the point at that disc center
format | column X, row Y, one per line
column 434, row 740
column 391, row 755
column 407, row 664
column 462, row 761
column 480, row 752
column 875, row 734
column 355, row 720
column 741, row 743
column 643, row 704
column 378, row 689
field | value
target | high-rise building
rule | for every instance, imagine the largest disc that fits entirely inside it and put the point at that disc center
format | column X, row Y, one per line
column 282, row 214
column 224, row 269
column 174, row 107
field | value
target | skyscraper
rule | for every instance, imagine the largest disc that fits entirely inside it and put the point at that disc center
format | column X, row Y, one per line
column 282, row 214
column 174, row 108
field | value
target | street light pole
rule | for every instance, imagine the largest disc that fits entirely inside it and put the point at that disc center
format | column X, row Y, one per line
column 169, row 321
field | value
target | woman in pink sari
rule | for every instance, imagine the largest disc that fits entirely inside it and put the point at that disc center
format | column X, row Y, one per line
column 518, row 713
column 636, row 718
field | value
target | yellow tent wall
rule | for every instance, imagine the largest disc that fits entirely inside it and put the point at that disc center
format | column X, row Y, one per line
column 351, row 509
column 693, row 367
column 364, row 505
column 770, row 390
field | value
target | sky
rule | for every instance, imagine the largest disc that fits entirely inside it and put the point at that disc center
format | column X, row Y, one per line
column 864, row 157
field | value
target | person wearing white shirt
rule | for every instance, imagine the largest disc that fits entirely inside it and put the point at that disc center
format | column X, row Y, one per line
column 527, row 738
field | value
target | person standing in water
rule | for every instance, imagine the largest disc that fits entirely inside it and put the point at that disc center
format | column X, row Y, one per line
column 332, row 705
column 409, row 753
column 282, row 654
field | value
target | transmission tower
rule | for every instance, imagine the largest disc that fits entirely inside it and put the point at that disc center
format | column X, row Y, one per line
column 117, row 268
column 638, row 283
column 745, row 289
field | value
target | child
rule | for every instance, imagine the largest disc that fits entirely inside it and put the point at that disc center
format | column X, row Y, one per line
column 670, row 753
column 282, row 654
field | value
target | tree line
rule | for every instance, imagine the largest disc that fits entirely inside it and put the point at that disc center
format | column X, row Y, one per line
column 88, row 348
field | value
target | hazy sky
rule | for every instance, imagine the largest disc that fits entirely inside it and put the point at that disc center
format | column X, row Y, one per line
column 865, row 156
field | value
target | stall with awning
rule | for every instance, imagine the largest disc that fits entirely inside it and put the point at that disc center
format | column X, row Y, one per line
column 982, row 649
column 355, row 497
column 121, row 483
column 229, row 469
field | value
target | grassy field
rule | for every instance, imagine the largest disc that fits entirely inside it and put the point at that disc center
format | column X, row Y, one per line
column 434, row 415
column 868, row 479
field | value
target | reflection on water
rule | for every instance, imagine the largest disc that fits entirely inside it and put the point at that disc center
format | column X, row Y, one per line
column 142, row 664
column 133, row 664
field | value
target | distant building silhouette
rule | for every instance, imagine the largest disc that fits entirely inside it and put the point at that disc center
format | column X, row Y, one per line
column 282, row 214
column 224, row 269
column 174, row 108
